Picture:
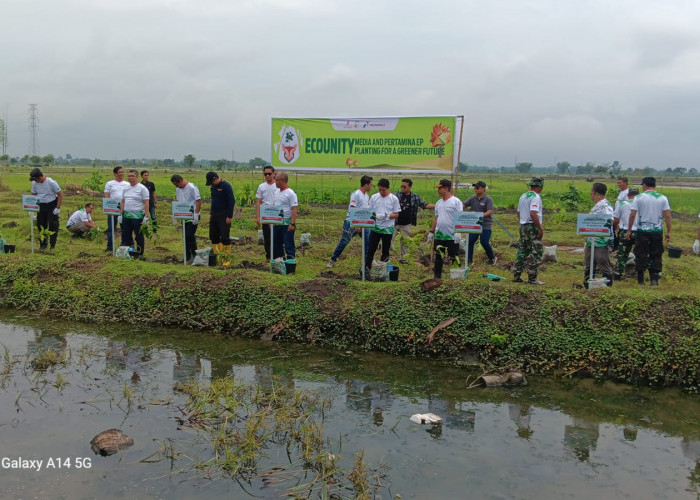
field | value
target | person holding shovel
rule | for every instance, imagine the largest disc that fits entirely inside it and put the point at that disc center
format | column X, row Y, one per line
column 386, row 207
column 134, row 212
column 222, row 204
column 358, row 199
column 621, row 218
column 50, row 199
column 284, row 233
column 114, row 190
column 531, row 230
column 265, row 195
column 481, row 202
column 601, row 253
column 442, row 231
column 187, row 192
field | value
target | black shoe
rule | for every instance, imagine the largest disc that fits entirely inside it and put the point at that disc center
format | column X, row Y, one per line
column 654, row 279
column 518, row 279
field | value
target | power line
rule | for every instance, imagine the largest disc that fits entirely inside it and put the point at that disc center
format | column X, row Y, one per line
column 34, row 129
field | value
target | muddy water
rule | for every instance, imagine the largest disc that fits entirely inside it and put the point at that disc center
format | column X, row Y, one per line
column 573, row 439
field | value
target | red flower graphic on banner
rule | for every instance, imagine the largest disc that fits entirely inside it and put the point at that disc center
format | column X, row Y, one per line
column 440, row 136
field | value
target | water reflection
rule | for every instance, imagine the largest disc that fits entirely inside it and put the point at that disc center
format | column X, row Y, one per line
column 513, row 449
column 581, row 438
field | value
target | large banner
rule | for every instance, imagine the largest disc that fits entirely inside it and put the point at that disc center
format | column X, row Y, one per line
column 425, row 143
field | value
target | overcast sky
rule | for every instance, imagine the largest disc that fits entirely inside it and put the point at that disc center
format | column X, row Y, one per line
column 536, row 80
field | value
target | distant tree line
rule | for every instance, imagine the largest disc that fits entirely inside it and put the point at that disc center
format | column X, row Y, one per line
column 613, row 170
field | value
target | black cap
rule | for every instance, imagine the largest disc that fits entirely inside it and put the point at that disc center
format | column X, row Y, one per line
column 480, row 184
column 211, row 177
column 649, row 181
column 537, row 181
column 35, row 174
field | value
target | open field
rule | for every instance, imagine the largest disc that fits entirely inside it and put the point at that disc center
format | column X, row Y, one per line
column 335, row 188
column 324, row 223
column 629, row 333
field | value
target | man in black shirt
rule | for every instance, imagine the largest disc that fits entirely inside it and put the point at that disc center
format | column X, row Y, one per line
column 222, row 203
column 409, row 203
column 152, row 200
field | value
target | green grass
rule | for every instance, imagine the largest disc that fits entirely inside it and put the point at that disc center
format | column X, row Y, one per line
column 325, row 224
column 335, row 188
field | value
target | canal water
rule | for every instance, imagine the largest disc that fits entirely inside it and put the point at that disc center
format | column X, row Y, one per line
column 550, row 439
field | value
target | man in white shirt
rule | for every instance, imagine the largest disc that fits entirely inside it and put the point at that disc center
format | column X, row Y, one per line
column 187, row 192
column 442, row 230
column 265, row 195
column 358, row 199
column 284, row 233
column 50, row 199
column 531, row 230
column 623, row 186
column 386, row 207
column 114, row 189
column 134, row 209
column 650, row 209
column 80, row 221
column 601, row 254
column 621, row 219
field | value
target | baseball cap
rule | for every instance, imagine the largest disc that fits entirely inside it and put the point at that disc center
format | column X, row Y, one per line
column 35, row 174
column 537, row 181
column 480, row 184
column 211, row 177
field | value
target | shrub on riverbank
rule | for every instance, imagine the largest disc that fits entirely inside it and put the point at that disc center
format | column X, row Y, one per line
column 633, row 335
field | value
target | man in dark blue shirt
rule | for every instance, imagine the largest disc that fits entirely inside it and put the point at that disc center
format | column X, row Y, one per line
column 222, row 203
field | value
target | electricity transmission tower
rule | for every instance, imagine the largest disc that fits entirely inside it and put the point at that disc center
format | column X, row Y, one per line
column 33, row 130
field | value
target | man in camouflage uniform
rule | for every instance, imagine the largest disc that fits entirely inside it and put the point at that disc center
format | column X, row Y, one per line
column 531, row 230
column 621, row 219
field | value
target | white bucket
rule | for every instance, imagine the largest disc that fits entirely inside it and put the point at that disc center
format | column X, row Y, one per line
column 458, row 274
column 597, row 283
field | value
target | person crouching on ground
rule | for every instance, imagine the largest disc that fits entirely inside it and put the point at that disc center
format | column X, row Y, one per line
column 284, row 233
column 442, row 230
column 386, row 207
column 601, row 254
column 80, row 222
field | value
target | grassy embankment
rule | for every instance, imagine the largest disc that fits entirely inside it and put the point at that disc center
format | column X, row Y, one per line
column 627, row 333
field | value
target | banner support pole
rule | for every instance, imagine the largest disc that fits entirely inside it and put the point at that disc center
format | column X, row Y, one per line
column 272, row 244
column 592, row 241
column 364, row 255
column 114, row 243
column 184, row 244
column 31, row 226
column 455, row 168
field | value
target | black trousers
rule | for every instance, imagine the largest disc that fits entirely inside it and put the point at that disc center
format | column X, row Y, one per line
column 46, row 219
column 449, row 247
column 374, row 240
column 267, row 231
column 648, row 251
column 219, row 231
column 131, row 228
column 190, row 240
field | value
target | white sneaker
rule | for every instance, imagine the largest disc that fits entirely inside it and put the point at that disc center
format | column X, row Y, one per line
column 330, row 264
